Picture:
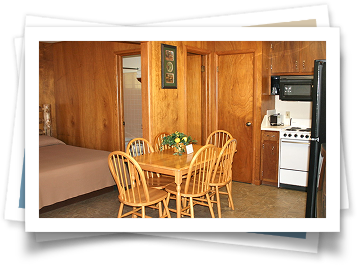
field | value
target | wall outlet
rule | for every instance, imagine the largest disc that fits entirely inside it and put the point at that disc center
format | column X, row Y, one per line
column 287, row 115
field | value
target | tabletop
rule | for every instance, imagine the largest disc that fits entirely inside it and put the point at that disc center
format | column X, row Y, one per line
column 165, row 162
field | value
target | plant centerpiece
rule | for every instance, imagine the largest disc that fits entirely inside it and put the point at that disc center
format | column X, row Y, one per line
column 177, row 140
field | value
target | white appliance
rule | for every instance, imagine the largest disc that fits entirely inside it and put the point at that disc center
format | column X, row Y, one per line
column 294, row 155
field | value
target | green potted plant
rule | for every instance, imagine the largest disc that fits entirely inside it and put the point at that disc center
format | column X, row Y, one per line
column 178, row 141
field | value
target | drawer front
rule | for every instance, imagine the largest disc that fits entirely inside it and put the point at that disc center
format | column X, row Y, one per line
column 292, row 177
column 270, row 136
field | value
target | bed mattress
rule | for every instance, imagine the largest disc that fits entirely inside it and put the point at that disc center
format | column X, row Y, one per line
column 67, row 171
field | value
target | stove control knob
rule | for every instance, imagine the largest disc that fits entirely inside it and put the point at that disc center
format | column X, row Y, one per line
column 295, row 135
column 302, row 136
column 289, row 135
column 306, row 136
column 285, row 135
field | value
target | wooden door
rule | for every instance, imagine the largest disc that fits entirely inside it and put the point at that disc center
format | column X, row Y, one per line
column 197, row 93
column 235, row 108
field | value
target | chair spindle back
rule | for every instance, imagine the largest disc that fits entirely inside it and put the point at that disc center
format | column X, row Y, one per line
column 200, row 170
column 158, row 141
column 223, row 168
column 218, row 138
column 129, row 178
column 139, row 146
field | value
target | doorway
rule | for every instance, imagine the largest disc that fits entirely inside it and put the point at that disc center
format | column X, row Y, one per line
column 130, row 59
column 132, row 103
column 197, row 92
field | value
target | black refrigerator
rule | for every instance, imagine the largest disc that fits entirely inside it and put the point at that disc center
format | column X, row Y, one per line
column 318, row 135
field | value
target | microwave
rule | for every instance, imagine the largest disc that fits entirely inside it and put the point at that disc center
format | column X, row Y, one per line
column 296, row 87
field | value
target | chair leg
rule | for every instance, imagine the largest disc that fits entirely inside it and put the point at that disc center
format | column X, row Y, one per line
column 168, row 198
column 134, row 215
column 160, row 209
column 166, row 208
column 120, row 210
column 143, row 211
column 184, row 203
column 191, row 208
column 230, row 198
column 218, row 203
column 210, row 205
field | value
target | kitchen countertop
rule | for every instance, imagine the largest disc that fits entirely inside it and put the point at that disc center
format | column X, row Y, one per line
column 274, row 128
column 267, row 127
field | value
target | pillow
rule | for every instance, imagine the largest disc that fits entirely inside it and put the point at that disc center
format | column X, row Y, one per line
column 46, row 140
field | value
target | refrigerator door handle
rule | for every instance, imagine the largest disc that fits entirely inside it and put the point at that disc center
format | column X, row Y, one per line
column 315, row 139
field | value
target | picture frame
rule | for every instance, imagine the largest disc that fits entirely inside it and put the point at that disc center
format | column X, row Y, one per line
column 168, row 66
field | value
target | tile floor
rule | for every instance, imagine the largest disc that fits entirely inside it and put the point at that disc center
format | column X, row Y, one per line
column 250, row 201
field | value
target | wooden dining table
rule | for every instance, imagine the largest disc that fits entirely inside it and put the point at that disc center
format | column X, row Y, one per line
column 165, row 162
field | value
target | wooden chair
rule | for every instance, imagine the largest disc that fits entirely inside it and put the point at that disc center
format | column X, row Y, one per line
column 158, row 141
column 133, row 190
column 196, row 184
column 222, row 177
column 218, row 138
column 141, row 146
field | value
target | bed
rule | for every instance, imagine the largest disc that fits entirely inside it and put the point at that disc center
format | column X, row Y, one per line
column 67, row 171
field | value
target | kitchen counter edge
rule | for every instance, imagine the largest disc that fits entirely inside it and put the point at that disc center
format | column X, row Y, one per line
column 273, row 128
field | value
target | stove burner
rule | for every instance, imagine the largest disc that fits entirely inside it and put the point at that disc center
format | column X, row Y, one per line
column 305, row 130
column 293, row 129
column 298, row 129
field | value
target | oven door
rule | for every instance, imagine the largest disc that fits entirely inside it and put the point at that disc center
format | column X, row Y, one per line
column 295, row 155
column 294, row 162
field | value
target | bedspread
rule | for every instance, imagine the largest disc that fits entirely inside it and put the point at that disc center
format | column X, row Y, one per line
column 67, row 171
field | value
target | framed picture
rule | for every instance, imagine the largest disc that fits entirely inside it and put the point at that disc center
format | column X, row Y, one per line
column 168, row 66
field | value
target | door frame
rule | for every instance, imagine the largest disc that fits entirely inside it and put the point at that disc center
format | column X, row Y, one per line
column 257, row 104
column 206, row 88
column 120, row 93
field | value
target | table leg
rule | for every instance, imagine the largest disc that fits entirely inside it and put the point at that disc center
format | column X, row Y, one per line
column 178, row 180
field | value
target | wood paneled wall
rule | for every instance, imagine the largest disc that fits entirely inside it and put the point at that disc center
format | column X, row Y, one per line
column 86, row 93
column 79, row 79
column 167, row 108
column 194, row 95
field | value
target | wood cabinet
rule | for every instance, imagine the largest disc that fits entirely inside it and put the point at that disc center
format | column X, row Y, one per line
column 309, row 52
column 269, row 157
column 295, row 57
column 284, row 56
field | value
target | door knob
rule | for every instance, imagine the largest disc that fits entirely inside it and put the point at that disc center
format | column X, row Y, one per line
column 248, row 123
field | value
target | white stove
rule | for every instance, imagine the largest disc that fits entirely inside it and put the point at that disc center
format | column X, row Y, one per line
column 296, row 133
column 294, row 155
